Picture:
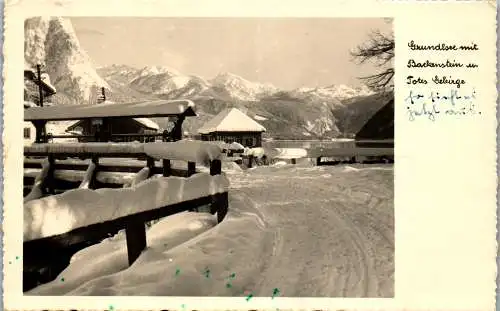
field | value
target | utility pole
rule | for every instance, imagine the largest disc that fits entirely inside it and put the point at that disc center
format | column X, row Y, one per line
column 103, row 91
column 102, row 97
column 40, row 90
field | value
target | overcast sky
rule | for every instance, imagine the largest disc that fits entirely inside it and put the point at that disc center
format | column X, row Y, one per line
column 288, row 53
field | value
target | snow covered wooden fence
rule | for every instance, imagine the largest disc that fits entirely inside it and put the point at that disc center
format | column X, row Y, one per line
column 86, row 215
column 332, row 156
column 116, row 163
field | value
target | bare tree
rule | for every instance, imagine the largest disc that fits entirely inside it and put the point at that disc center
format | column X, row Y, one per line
column 380, row 49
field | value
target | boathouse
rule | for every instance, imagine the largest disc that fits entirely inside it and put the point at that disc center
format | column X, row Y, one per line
column 232, row 125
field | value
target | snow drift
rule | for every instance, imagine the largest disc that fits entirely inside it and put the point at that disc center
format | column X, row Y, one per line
column 309, row 231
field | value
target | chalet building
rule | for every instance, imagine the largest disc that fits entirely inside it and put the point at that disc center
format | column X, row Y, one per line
column 232, row 125
column 122, row 129
column 119, row 129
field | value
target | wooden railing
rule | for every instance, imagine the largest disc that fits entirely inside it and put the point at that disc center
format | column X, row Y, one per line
column 351, row 155
column 46, row 250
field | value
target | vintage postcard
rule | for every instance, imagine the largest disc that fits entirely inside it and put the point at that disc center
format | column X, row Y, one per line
column 250, row 155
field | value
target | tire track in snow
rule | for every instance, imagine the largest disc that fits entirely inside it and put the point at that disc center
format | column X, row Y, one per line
column 313, row 216
column 361, row 245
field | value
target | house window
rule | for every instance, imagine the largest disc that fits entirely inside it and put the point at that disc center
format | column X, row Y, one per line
column 27, row 133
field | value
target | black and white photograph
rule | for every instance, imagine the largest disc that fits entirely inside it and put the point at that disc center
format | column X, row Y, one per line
column 209, row 157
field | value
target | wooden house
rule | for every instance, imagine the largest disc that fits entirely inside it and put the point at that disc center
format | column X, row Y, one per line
column 232, row 125
column 105, row 122
column 122, row 129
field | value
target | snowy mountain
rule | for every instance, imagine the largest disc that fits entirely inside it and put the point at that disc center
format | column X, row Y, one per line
column 52, row 42
column 240, row 88
column 157, row 70
column 301, row 113
column 321, row 112
column 340, row 92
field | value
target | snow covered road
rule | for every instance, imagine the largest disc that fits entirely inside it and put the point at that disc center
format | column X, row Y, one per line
column 307, row 231
column 333, row 233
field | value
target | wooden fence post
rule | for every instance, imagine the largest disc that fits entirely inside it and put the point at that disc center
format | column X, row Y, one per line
column 215, row 167
column 49, row 180
column 136, row 240
column 222, row 206
column 250, row 160
column 191, row 168
column 151, row 165
column 93, row 179
column 167, row 169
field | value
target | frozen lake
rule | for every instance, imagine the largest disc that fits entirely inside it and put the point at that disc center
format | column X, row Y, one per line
column 306, row 231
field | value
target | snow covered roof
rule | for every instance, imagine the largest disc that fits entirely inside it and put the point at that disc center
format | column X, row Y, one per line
column 158, row 108
column 46, row 85
column 148, row 123
column 231, row 120
column 28, row 104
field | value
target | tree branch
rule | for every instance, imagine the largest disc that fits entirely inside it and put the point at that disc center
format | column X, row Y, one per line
column 379, row 48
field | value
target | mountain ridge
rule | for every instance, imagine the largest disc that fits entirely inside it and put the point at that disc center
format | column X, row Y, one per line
column 301, row 113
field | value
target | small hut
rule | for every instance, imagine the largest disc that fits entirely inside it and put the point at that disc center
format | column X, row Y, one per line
column 232, row 125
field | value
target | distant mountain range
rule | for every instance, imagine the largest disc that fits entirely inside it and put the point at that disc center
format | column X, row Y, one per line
column 323, row 112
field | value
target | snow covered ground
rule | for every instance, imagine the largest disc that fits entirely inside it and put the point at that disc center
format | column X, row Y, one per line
column 307, row 231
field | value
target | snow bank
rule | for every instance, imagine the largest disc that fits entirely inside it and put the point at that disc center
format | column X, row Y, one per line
column 184, row 241
column 221, row 144
column 110, row 256
column 255, row 152
column 82, row 207
column 290, row 153
column 231, row 167
column 235, row 146
column 193, row 151
column 280, row 163
column 263, row 243
column 36, row 192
